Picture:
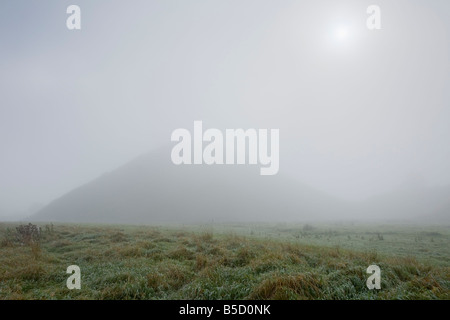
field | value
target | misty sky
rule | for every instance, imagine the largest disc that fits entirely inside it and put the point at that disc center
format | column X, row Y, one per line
column 357, row 116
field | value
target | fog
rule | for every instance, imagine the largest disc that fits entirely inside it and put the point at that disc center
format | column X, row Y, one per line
column 364, row 121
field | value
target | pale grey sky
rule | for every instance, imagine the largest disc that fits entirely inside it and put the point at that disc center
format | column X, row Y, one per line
column 357, row 116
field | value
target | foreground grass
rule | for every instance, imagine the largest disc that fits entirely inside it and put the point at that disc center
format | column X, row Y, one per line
column 262, row 262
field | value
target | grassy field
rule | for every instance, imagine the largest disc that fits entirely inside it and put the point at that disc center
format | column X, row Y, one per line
column 318, row 261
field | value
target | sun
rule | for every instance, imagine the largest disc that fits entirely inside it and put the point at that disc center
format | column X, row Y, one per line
column 343, row 38
column 342, row 33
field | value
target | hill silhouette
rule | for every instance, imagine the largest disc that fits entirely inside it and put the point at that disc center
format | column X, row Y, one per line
column 152, row 189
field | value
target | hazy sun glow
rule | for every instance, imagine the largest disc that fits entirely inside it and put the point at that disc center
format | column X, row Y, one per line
column 342, row 33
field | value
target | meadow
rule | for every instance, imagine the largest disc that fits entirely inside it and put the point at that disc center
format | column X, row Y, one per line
column 226, row 261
